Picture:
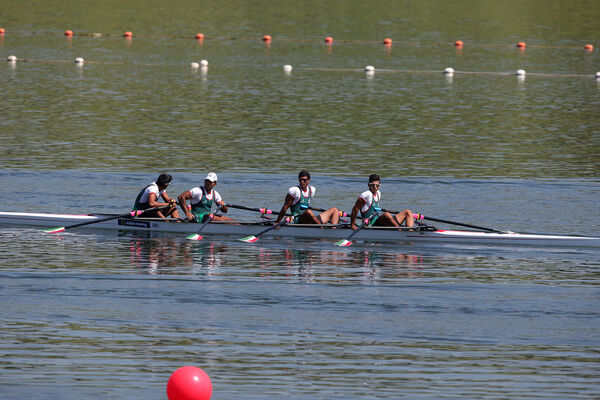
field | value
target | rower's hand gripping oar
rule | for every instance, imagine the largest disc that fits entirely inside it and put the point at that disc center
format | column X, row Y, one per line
column 135, row 213
column 347, row 242
column 254, row 238
column 197, row 236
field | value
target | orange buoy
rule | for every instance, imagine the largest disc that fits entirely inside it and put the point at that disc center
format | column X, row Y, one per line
column 128, row 34
column 458, row 43
column 2, row 30
column 68, row 33
column 328, row 39
column 200, row 36
column 267, row 38
column 589, row 47
column 387, row 41
column 521, row 45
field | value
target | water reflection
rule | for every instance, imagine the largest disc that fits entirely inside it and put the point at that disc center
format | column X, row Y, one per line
column 167, row 256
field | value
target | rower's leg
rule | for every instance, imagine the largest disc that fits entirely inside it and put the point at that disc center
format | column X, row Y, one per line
column 221, row 218
column 332, row 215
column 405, row 216
column 307, row 217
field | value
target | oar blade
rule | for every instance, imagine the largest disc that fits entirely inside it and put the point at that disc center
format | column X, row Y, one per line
column 194, row 236
column 55, row 230
column 249, row 239
column 344, row 242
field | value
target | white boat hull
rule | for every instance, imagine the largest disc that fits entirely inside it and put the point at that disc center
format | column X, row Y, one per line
column 303, row 231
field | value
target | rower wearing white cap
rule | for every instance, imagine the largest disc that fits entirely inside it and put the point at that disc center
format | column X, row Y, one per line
column 202, row 199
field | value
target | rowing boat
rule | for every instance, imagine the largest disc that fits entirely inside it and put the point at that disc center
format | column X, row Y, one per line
column 418, row 235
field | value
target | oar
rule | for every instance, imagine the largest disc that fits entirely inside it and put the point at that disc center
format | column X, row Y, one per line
column 254, row 238
column 197, row 236
column 347, row 242
column 260, row 210
column 445, row 221
column 129, row 214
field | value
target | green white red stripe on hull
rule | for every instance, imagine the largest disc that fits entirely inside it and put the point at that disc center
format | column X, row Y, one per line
column 247, row 229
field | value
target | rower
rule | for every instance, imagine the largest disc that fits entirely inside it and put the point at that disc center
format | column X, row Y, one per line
column 202, row 199
column 148, row 198
column 298, row 200
column 368, row 204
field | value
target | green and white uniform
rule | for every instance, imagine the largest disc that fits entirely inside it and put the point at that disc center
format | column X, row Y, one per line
column 142, row 201
column 371, row 207
column 202, row 202
column 301, row 200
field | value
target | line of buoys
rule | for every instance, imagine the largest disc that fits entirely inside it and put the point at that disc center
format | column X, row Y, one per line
column 369, row 69
column 328, row 40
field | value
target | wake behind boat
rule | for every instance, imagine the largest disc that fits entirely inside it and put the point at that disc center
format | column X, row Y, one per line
column 417, row 235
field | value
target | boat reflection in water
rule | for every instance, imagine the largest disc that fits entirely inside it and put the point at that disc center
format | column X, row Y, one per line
column 176, row 256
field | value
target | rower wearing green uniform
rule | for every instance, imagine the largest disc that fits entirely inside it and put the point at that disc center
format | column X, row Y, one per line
column 298, row 200
column 202, row 199
column 149, row 196
column 368, row 205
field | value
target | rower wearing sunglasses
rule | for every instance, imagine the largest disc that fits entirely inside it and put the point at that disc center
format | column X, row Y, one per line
column 298, row 200
column 368, row 204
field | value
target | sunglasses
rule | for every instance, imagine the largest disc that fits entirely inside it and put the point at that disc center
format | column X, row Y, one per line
column 303, row 179
column 374, row 184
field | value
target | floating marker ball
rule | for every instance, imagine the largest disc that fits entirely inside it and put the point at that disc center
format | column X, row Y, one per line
column 449, row 71
column 12, row 59
column 520, row 72
column 287, row 68
column 189, row 383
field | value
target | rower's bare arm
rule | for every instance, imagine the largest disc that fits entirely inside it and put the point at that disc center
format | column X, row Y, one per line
column 357, row 206
column 223, row 207
column 183, row 197
column 289, row 199
column 153, row 201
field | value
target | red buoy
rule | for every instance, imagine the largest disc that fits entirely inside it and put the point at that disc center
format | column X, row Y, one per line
column 589, row 47
column 68, row 33
column 128, row 34
column 267, row 38
column 521, row 45
column 329, row 39
column 387, row 41
column 2, row 30
column 200, row 36
column 458, row 43
column 189, row 383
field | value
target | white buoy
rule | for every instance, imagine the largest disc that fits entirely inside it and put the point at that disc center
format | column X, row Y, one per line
column 520, row 72
column 449, row 71
column 287, row 68
column 204, row 63
column 369, row 68
column 79, row 61
column 598, row 75
column 12, row 59
column 194, row 65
